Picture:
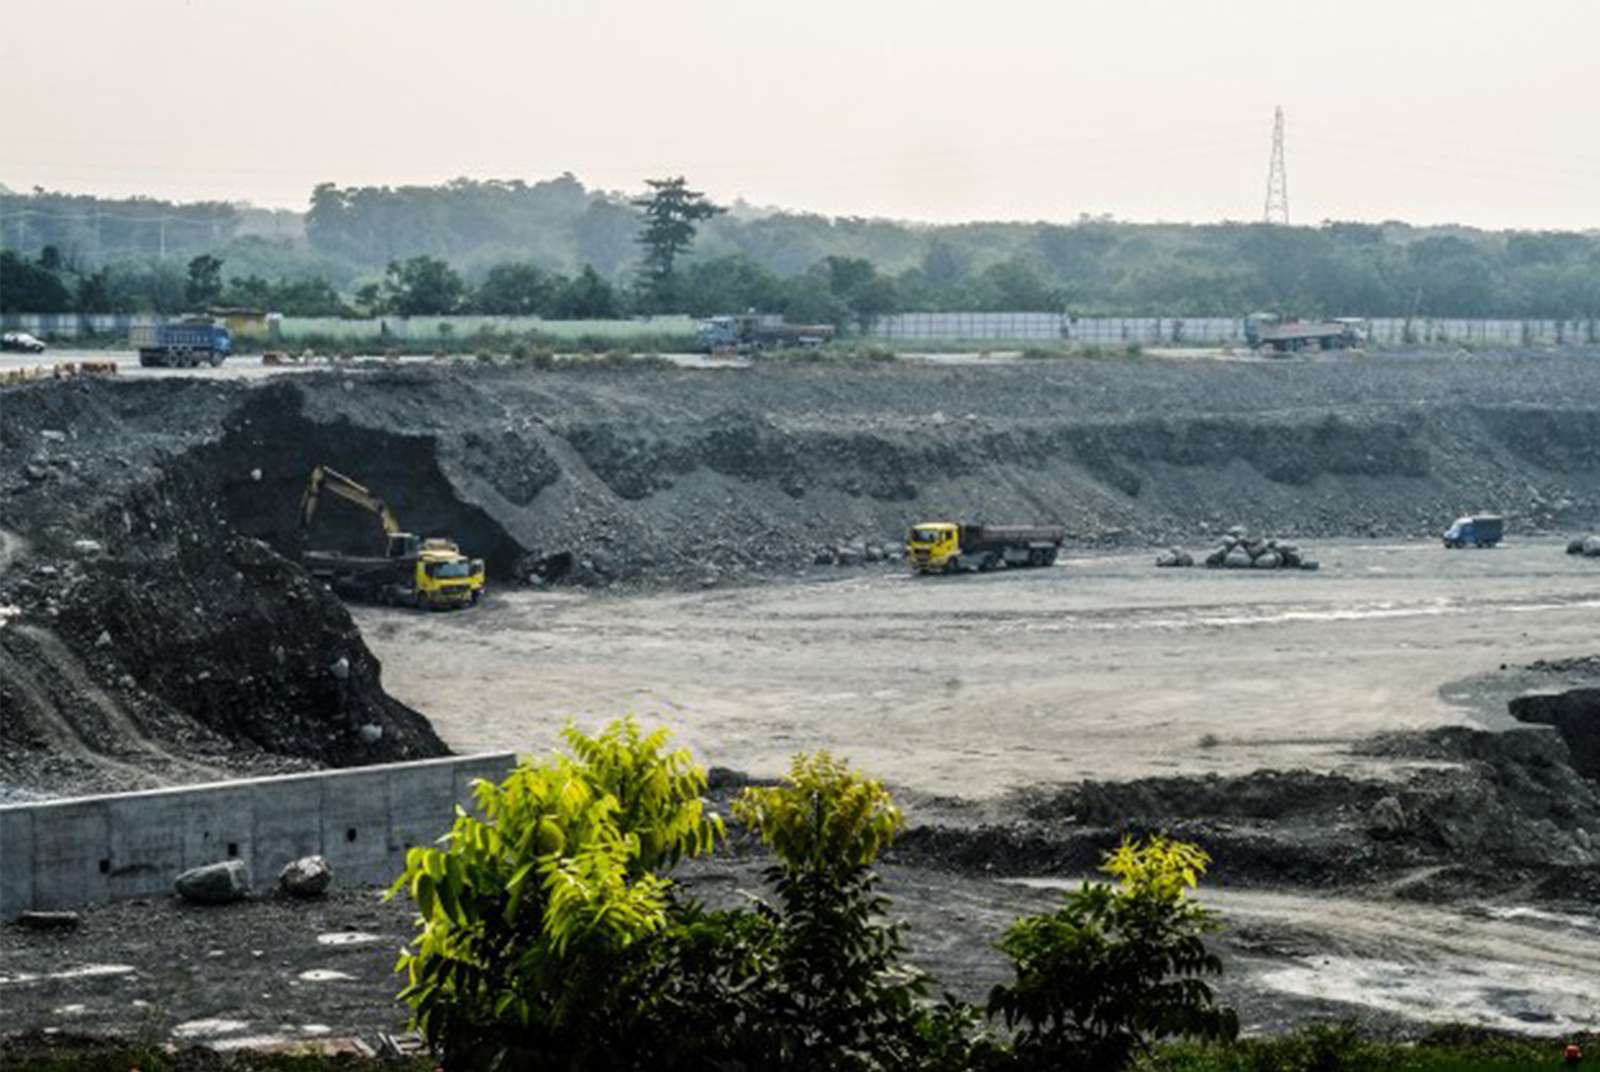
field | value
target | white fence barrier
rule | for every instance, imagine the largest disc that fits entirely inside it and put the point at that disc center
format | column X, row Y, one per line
column 902, row 327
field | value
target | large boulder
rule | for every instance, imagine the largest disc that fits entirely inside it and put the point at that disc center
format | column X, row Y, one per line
column 1575, row 546
column 1591, row 546
column 218, row 883
column 1238, row 558
column 1310, row 564
column 309, row 876
column 1387, row 819
column 1267, row 560
column 1218, row 557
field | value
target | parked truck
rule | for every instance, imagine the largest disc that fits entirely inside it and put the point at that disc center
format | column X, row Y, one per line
column 181, row 345
column 1479, row 530
column 1267, row 331
column 952, row 547
column 743, row 334
column 412, row 571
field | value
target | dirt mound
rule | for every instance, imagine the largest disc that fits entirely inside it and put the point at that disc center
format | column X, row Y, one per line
column 1498, row 805
column 1575, row 715
column 145, row 640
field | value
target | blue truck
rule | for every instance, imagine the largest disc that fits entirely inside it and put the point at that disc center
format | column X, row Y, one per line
column 1479, row 530
column 182, row 345
column 742, row 334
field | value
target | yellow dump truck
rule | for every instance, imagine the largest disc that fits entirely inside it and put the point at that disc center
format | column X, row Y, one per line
column 431, row 573
column 952, row 547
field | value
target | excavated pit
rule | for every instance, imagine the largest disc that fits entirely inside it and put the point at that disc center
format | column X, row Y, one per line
column 269, row 447
column 661, row 477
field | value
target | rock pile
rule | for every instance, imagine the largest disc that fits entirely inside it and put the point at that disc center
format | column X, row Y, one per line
column 1587, row 546
column 856, row 553
column 1239, row 550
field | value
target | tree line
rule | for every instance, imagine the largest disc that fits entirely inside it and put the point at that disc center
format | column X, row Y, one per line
column 558, row 249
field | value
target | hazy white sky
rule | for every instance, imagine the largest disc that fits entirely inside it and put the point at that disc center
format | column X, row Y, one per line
column 1474, row 111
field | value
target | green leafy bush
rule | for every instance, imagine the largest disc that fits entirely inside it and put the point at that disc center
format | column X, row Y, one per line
column 836, row 993
column 1116, row 967
column 531, row 916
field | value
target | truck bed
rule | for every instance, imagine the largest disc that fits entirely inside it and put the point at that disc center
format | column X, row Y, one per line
column 1013, row 534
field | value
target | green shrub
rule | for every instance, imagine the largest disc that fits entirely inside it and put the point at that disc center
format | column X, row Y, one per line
column 530, row 917
column 1116, row 967
column 836, row 993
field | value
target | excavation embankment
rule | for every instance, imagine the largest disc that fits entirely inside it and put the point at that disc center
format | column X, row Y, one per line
column 161, row 630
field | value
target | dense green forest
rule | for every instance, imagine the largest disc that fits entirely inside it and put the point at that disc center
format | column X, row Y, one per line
column 558, row 248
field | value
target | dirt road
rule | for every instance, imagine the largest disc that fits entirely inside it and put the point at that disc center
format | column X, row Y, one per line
column 1101, row 667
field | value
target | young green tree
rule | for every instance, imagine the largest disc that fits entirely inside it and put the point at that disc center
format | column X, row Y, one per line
column 671, row 212
column 1116, row 967
column 533, row 917
column 836, row 993
column 204, row 285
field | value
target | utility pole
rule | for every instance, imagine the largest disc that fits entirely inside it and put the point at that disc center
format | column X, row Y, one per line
column 1277, row 210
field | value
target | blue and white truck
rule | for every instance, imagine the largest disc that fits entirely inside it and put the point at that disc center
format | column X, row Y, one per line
column 182, row 345
column 1478, row 530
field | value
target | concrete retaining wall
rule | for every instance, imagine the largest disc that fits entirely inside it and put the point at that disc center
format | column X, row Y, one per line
column 90, row 850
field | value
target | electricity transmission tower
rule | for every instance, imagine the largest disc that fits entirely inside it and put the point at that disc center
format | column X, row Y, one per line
column 1277, row 210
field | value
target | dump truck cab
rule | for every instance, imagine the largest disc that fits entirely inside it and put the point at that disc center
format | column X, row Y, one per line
column 445, row 577
column 933, row 545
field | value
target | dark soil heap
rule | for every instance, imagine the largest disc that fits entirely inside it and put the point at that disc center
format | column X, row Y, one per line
column 145, row 638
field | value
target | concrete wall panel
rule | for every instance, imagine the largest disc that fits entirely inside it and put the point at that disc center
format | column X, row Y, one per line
column 219, row 825
column 421, row 808
column 288, row 823
column 16, row 861
column 145, row 832
column 71, row 853
column 355, row 825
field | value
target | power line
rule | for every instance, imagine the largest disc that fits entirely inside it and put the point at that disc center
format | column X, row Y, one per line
column 1277, row 210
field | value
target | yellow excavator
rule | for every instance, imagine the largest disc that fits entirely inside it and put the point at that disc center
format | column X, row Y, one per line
column 413, row 572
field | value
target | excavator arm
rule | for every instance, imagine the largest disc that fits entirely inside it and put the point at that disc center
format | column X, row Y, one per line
column 347, row 489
